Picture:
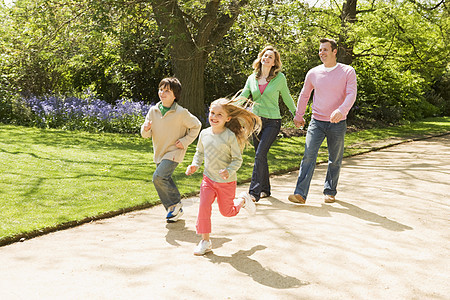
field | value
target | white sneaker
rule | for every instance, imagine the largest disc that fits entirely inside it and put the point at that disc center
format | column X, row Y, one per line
column 249, row 205
column 203, row 247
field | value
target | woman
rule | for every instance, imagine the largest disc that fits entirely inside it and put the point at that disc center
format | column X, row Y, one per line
column 265, row 85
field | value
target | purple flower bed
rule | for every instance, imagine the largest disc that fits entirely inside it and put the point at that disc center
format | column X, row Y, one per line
column 87, row 114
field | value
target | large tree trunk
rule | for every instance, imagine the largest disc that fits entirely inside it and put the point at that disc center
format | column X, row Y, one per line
column 345, row 53
column 189, row 48
column 189, row 71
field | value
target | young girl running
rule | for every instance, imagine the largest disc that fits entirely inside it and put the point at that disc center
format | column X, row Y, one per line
column 220, row 146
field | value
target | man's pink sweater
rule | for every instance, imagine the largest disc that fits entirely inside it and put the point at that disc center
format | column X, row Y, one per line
column 333, row 90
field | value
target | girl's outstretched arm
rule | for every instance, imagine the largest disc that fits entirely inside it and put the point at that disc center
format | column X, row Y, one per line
column 191, row 170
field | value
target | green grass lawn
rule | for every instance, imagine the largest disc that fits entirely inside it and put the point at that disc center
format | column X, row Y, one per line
column 53, row 177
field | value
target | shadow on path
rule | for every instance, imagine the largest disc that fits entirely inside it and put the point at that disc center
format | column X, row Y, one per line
column 241, row 261
column 366, row 215
column 325, row 210
column 178, row 232
column 244, row 264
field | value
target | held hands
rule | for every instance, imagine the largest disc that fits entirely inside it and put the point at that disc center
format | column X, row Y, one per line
column 191, row 170
column 224, row 173
column 147, row 125
column 299, row 124
column 336, row 116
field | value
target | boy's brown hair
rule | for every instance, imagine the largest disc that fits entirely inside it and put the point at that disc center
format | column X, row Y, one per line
column 172, row 84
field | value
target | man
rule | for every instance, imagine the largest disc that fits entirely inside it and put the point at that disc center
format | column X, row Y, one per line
column 334, row 86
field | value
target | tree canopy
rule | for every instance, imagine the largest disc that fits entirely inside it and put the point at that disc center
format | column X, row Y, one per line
column 123, row 48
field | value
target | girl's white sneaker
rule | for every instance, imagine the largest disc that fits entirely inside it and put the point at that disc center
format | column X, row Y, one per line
column 203, row 247
column 249, row 205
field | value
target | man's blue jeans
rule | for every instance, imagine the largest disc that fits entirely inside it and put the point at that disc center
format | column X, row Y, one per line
column 165, row 186
column 260, row 176
column 317, row 132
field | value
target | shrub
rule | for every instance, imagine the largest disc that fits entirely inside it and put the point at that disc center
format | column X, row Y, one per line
column 390, row 96
column 88, row 114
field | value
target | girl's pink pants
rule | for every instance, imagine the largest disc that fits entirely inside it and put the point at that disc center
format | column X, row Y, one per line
column 209, row 191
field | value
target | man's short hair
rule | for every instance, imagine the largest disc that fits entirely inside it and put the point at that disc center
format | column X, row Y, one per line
column 331, row 41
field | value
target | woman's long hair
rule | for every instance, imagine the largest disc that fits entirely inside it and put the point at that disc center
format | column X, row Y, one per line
column 243, row 122
column 274, row 70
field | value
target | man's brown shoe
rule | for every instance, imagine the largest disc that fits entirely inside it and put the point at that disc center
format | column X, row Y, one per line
column 296, row 199
column 329, row 199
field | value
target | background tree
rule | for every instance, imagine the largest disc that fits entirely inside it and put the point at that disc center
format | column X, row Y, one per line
column 122, row 48
column 191, row 31
column 348, row 16
column 285, row 25
column 391, row 44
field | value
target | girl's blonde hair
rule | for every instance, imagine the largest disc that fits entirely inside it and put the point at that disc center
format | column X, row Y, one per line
column 274, row 70
column 243, row 122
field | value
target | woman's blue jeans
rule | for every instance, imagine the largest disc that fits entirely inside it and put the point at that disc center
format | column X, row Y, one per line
column 262, row 143
column 165, row 186
column 317, row 132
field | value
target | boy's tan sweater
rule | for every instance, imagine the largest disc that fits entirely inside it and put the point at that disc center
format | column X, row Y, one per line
column 177, row 124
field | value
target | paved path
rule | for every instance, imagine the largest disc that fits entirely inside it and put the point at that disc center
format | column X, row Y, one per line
column 387, row 237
